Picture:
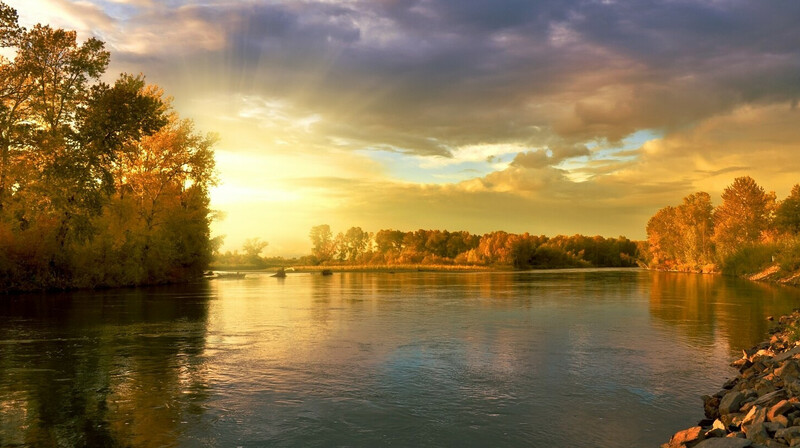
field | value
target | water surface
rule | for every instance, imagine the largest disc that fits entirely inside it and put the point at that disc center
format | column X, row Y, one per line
column 604, row 358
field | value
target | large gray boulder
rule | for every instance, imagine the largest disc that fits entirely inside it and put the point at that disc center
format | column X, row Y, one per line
column 757, row 433
column 789, row 434
column 725, row 442
column 731, row 402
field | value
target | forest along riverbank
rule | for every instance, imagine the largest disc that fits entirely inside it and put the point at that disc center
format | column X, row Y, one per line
column 760, row 407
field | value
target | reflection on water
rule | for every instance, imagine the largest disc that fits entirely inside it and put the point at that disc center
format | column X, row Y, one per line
column 557, row 358
column 706, row 308
column 113, row 368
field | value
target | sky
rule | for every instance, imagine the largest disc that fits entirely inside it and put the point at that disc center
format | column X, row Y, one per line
column 549, row 117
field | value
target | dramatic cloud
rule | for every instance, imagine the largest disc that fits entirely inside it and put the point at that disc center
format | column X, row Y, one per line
column 486, row 114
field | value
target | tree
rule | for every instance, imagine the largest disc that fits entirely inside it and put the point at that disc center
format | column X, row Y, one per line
column 355, row 243
column 99, row 184
column 253, row 247
column 494, row 248
column 663, row 237
column 744, row 215
column 47, row 168
column 323, row 247
column 389, row 240
column 696, row 226
column 787, row 215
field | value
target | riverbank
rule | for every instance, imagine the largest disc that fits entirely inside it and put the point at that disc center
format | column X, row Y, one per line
column 370, row 268
column 760, row 407
column 775, row 273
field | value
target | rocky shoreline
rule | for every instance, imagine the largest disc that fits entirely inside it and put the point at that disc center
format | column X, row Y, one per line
column 760, row 407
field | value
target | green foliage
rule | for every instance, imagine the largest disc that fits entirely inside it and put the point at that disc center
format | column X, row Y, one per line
column 743, row 217
column 787, row 215
column 789, row 255
column 322, row 241
column 749, row 259
column 99, row 185
column 681, row 237
column 443, row 248
column 695, row 237
column 793, row 331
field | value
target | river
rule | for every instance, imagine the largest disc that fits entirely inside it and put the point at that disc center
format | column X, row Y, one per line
column 573, row 358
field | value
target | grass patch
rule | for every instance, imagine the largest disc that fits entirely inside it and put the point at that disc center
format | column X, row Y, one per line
column 750, row 259
column 789, row 257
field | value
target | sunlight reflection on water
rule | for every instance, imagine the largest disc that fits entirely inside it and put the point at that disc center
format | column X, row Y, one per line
column 556, row 358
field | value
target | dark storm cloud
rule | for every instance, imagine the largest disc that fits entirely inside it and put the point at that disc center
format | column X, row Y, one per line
column 457, row 72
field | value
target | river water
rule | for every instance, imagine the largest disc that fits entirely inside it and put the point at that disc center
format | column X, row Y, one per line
column 590, row 358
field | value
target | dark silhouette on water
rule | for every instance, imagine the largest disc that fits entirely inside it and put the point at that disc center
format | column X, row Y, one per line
column 231, row 275
column 281, row 273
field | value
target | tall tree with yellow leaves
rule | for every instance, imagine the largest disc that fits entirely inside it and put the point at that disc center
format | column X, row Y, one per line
column 744, row 217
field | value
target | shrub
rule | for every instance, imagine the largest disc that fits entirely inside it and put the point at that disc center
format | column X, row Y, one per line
column 749, row 259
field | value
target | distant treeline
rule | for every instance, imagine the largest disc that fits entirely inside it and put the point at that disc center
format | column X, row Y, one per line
column 100, row 185
column 749, row 230
column 440, row 247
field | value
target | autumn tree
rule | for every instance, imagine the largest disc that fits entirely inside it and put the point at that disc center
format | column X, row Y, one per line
column 42, row 91
column 355, row 243
column 495, row 248
column 787, row 215
column 252, row 249
column 389, row 240
column 695, row 224
column 744, row 215
column 663, row 237
column 322, row 244
column 99, row 184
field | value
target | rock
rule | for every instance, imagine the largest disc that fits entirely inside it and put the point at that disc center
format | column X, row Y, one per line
column 760, row 407
column 716, row 432
column 771, row 443
column 764, row 386
column 787, row 354
column 771, row 398
column 731, row 402
column 705, row 423
column 730, row 383
column 788, row 434
column 780, row 408
column 782, row 419
column 793, row 387
column 789, row 371
column 765, row 352
column 686, row 436
column 742, row 364
column 711, row 406
column 732, row 420
column 729, row 442
column 773, row 427
column 753, row 371
column 757, row 433
column 757, row 415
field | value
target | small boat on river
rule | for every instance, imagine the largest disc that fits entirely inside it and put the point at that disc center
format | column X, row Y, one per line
column 327, row 272
column 281, row 273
